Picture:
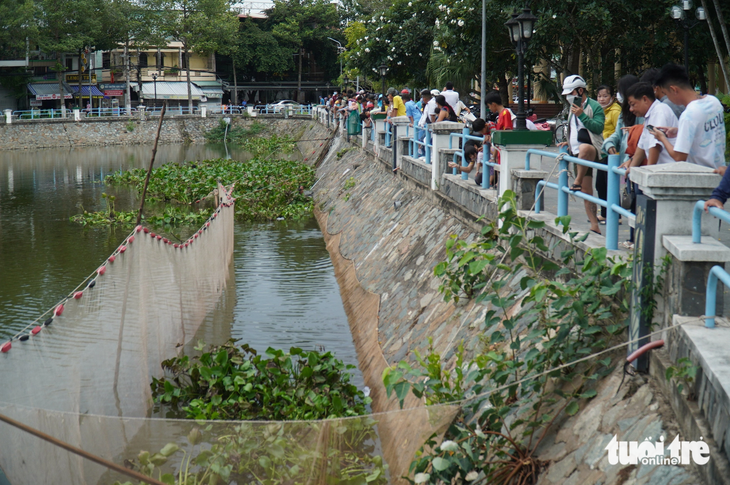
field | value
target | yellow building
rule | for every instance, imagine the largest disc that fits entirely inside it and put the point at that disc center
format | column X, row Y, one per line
column 158, row 74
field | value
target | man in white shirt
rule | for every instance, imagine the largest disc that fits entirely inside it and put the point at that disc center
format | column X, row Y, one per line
column 643, row 103
column 429, row 111
column 700, row 136
column 452, row 97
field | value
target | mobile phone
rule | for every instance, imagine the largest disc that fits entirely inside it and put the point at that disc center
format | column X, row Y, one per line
column 650, row 127
column 576, row 101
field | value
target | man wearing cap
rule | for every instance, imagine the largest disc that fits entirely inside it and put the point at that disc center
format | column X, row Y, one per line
column 585, row 138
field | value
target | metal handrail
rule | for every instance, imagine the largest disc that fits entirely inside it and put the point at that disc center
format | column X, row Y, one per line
column 716, row 273
column 697, row 219
column 427, row 144
column 613, row 208
column 464, row 136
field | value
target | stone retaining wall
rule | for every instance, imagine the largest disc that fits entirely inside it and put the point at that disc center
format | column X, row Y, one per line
column 386, row 232
column 123, row 131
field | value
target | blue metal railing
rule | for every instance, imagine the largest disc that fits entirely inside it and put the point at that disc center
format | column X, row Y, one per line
column 613, row 209
column 36, row 114
column 716, row 273
column 464, row 136
column 414, row 142
column 697, row 219
column 388, row 134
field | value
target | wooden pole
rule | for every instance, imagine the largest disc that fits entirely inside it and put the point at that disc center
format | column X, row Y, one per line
column 152, row 162
column 101, row 461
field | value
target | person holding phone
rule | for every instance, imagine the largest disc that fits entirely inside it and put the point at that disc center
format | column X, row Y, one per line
column 585, row 137
column 700, row 134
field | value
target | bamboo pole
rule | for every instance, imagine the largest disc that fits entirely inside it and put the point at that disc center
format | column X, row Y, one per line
column 152, row 162
column 78, row 451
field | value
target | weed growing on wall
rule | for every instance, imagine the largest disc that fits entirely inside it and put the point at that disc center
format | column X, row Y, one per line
column 514, row 389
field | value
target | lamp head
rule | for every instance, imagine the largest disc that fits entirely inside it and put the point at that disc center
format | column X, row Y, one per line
column 513, row 26
column 686, row 5
column 677, row 13
column 383, row 69
column 701, row 14
column 526, row 23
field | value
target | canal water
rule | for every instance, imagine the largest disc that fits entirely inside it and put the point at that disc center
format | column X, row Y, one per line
column 282, row 292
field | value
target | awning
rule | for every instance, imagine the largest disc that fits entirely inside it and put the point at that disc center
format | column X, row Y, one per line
column 85, row 91
column 45, row 91
column 212, row 89
column 168, row 90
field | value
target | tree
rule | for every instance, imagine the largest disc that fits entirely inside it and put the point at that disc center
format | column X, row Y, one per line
column 66, row 26
column 202, row 26
column 304, row 26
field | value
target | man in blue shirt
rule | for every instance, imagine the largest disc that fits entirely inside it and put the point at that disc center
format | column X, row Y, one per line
column 414, row 115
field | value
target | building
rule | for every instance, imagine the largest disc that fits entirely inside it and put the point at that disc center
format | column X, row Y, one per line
column 158, row 74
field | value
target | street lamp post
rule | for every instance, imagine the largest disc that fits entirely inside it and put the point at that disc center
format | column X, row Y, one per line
column 520, row 31
column 383, row 69
column 681, row 13
column 154, row 82
column 340, row 50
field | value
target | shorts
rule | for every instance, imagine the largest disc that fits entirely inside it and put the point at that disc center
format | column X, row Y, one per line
column 589, row 172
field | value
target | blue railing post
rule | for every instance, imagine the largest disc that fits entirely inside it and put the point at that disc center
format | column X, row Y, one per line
column 612, row 198
column 563, row 182
column 717, row 272
column 428, row 145
column 412, row 142
column 486, row 154
column 697, row 222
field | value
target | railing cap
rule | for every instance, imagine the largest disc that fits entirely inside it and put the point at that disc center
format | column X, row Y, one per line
column 711, row 250
column 681, row 179
column 400, row 120
column 444, row 127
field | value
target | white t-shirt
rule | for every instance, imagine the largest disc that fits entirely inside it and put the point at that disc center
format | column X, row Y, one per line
column 701, row 133
column 452, row 97
column 659, row 114
column 427, row 112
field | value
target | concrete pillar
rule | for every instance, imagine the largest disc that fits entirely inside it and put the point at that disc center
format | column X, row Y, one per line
column 524, row 185
column 8, row 116
column 77, row 114
column 378, row 126
column 685, row 285
column 672, row 190
column 400, row 145
column 365, row 135
column 513, row 146
column 141, row 113
column 440, row 136
column 203, row 111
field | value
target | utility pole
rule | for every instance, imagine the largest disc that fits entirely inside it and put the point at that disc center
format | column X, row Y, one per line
column 126, row 78
column 483, row 80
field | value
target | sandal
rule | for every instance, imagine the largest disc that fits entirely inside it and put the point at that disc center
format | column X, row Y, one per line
column 596, row 232
column 575, row 188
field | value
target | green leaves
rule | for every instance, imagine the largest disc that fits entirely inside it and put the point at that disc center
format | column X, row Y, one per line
column 232, row 382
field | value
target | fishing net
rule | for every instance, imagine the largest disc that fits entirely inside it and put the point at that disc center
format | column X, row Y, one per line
column 82, row 373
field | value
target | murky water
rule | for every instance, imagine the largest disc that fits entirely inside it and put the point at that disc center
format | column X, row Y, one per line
column 283, row 291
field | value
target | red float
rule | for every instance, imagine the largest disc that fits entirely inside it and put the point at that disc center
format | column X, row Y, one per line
column 176, row 245
column 78, row 294
column 196, row 236
column 7, row 346
column 138, row 228
column 122, row 249
column 146, row 230
column 101, row 270
column 58, row 311
column 130, row 240
column 112, row 258
column 164, row 240
column 153, row 235
column 35, row 330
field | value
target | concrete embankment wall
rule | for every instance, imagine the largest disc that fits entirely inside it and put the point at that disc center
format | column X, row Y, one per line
column 385, row 233
column 125, row 131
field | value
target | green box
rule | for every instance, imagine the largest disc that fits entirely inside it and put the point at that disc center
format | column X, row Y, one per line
column 522, row 137
column 378, row 116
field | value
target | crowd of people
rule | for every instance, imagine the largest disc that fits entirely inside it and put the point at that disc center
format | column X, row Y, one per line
column 656, row 119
